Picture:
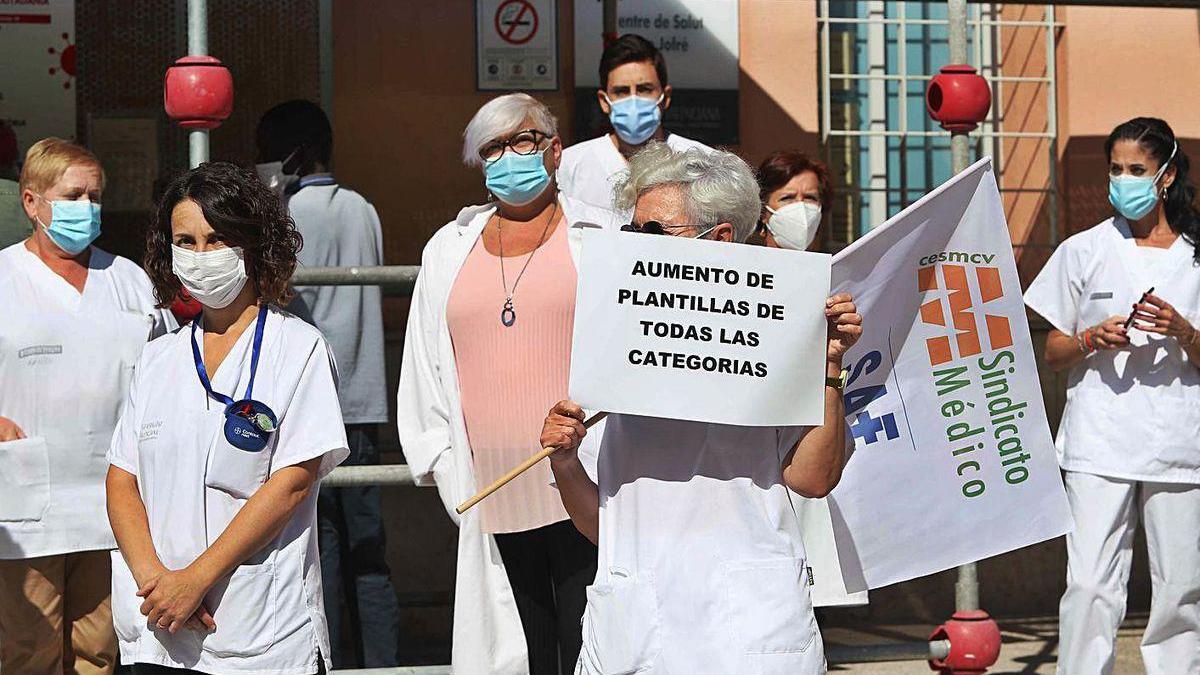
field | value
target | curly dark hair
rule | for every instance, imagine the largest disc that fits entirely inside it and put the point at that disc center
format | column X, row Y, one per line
column 244, row 212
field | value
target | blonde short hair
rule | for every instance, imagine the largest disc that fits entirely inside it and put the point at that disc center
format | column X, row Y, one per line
column 49, row 158
column 501, row 116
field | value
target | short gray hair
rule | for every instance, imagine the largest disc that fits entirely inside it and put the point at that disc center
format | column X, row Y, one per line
column 719, row 186
column 502, row 116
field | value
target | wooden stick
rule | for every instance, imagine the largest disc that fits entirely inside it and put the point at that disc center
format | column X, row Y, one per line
column 524, row 466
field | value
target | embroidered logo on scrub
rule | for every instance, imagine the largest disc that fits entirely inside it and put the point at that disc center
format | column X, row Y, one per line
column 149, row 431
column 39, row 350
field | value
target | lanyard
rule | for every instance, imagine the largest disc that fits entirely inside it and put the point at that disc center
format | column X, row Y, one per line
column 258, row 335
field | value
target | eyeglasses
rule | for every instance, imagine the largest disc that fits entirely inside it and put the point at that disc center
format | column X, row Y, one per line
column 648, row 227
column 524, row 142
column 655, row 227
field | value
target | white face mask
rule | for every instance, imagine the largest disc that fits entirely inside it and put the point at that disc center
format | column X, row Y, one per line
column 795, row 225
column 272, row 175
column 214, row 278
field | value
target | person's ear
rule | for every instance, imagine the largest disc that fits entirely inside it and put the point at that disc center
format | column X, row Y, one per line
column 723, row 232
column 1168, row 177
column 554, row 156
column 602, row 98
column 666, row 98
column 29, row 202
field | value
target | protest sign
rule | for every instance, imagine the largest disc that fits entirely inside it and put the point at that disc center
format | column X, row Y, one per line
column 700, row 330
column 953, row 460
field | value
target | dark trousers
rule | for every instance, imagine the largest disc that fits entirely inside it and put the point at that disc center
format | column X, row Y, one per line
column 354, row 566
column 550, row 569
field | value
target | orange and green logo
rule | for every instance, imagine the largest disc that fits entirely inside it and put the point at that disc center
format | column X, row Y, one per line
column 964, row 315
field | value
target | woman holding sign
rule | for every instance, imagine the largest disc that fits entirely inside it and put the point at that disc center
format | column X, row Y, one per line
column 702, row 565
column 228, row 427
column 488, row 350
column 1124, row 301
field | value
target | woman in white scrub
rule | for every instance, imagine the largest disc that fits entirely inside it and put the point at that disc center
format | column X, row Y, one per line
column 1123, row 299
column 229, row 426
column 73, row 320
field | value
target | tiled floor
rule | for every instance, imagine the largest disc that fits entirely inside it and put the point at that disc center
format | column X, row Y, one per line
column 1029, row 646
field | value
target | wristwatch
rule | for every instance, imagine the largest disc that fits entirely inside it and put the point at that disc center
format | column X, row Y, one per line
column 838, row 382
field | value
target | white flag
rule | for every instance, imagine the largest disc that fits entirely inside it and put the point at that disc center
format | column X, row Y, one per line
column 953, row 460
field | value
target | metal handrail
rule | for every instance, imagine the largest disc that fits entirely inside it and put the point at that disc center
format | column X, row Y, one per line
column 391, row 277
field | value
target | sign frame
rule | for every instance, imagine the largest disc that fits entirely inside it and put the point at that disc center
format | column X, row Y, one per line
column 485, row 19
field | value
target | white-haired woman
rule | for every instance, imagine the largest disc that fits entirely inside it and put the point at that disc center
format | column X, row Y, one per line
column 703, row 569
column 487, row 351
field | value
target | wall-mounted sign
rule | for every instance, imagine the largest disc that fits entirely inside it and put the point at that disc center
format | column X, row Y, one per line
column 37, row 69
column 516, row 45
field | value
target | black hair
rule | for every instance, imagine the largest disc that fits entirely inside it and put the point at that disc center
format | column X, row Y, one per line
column 1158, row 140
column 630, row 48
column 295, row 125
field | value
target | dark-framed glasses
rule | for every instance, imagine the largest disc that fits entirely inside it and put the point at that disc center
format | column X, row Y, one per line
column 525, row 142
column 655, row 227
column 648, row 227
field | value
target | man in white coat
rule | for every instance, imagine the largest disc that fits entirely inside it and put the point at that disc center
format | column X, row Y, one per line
column 634, row 94
column 341, row 229
column 75, row 319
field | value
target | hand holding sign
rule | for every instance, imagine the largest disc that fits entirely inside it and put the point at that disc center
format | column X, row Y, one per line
column 845, row 325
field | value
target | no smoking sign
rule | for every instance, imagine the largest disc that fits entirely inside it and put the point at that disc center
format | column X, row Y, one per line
column 516, row 21
column 516, row 45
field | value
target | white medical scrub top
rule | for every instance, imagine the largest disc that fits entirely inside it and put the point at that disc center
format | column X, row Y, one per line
column 1131, row 413
column 341, row 229
column 66, row 359
column 701, row 565
column 269, row 613
column 589, row 170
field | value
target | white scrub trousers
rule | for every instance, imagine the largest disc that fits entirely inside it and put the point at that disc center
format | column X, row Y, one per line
column 1099, row 551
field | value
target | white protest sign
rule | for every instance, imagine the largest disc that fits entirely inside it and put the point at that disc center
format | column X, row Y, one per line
column 700, row 330
column 953, row 460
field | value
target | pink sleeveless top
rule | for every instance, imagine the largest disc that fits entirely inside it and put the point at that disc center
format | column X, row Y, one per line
column 509, row 377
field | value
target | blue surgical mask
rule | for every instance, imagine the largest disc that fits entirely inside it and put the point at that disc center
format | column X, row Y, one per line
column 1136, row 196
column 74, row 225
column 635, row 119
column 517, row 179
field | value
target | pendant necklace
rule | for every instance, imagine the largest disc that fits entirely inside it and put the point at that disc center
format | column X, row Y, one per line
column 508, row 315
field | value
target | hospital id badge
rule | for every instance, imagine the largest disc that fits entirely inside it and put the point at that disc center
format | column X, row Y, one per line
column 249, row 425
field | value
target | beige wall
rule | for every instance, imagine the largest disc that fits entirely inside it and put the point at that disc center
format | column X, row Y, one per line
column 403, row 96
column 1115, row 64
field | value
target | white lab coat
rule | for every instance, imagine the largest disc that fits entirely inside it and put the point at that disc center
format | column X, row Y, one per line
column 702, row 567
column 1131, row 413
column 66, row 359
column 488, row 637
column 269, row 612
column 589, row 170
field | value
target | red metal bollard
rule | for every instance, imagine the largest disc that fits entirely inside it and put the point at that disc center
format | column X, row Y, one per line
column 974, row 643
column 958, row 98
column 198, row 92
